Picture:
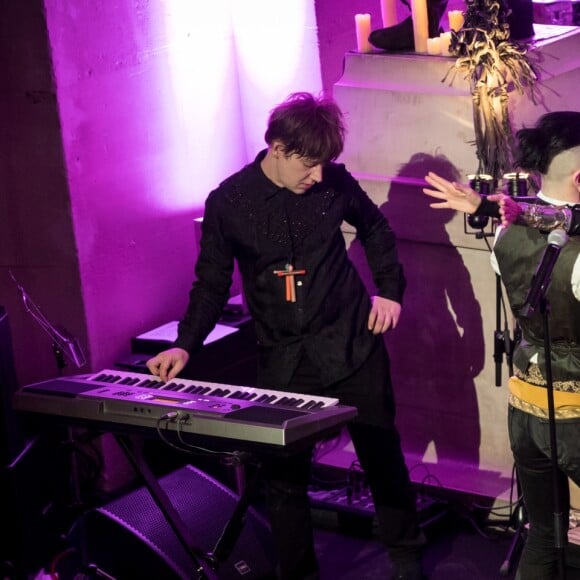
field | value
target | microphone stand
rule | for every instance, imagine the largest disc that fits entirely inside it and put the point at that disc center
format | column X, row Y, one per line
column 65, row 346
column 560, row 533
column 504, row 344
column 500, row 337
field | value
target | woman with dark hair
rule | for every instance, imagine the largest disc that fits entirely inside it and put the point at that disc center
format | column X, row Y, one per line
column 551, row 149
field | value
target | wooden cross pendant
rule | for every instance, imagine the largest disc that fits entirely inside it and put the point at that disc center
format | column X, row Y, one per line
column 289, row 273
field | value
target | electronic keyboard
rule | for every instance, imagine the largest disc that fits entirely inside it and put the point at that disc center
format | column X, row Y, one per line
column 186, row 407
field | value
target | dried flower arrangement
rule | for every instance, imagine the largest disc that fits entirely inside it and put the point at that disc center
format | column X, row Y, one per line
column 495, row 65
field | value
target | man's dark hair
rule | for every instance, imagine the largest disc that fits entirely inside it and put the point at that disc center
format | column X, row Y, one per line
column 552, row 134
column 308, row 126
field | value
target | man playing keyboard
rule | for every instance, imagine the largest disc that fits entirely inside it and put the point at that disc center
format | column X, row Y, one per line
column 319, row 331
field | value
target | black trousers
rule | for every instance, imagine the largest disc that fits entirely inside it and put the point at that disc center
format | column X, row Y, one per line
column 531, row 446
column 378, row 448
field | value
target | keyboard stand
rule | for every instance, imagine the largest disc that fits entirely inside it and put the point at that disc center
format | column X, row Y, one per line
column 202, row 569
column 234, row 525
column 205, row 564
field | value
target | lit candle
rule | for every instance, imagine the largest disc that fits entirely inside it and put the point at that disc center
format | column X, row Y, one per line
column 434, row 45
column 456, row 19
column 445, row 42
column 363, row 31
column 389, row 12
column 420, row 24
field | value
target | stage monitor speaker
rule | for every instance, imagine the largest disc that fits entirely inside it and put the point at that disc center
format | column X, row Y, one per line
column 129, row 538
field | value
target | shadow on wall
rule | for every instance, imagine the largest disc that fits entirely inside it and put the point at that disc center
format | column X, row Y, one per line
column 438, row 347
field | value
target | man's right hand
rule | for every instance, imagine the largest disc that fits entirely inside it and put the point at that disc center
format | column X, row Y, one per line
column 168, row 364
column 452, row 195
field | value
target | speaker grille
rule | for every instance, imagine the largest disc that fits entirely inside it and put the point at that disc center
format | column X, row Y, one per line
column 130, row 538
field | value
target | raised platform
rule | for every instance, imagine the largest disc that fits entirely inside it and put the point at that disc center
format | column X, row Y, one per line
column 437, row 477
column 408, row 114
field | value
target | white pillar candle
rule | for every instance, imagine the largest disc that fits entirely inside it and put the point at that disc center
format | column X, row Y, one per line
column 456, row 19
column 445, row 42
column 389, row 13
column 420, row 24
column 434, row 45
column 363, row 31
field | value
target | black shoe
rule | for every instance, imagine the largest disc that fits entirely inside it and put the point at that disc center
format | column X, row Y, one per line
column 394, row 38
column 521, row 19
column 400, row 37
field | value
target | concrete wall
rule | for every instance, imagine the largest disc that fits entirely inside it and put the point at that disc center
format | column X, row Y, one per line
column 37, row 239
column 403, row 122
column 117, row 122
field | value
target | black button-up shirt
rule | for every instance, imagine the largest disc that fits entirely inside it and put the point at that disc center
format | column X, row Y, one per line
column 264, row 227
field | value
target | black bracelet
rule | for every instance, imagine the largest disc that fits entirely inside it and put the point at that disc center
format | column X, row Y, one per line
column 487, row 208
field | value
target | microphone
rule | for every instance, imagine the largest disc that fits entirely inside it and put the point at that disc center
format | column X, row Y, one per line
column 557, row 239
column 63, row 342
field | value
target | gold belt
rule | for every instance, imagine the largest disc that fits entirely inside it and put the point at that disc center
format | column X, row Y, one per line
column 534, row 400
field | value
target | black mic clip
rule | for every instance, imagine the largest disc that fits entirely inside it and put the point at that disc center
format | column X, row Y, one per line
column 498, row 345
column 483, row 184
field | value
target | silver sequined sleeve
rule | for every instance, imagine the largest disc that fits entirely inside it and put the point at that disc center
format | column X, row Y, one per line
column 545, row 217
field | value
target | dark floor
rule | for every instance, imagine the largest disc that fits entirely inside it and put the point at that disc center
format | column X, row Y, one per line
column 456, row 550
column 467, row 540
column 459, row 548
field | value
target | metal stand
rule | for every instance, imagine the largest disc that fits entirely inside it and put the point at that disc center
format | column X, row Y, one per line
column 504, row 344
column 65, row 346
column 205, row 564
column 518, row 520
column 560, row 523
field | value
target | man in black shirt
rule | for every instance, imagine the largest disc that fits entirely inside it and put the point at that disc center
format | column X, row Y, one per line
column 319, row 331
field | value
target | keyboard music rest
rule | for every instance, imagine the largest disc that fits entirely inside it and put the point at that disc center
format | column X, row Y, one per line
column 114, row 400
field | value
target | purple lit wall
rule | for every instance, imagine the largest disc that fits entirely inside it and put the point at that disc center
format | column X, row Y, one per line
column 140, row 110
column 119, row 117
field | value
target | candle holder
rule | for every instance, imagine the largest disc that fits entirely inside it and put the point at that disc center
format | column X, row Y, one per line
column 481, row 182
column 516, row 184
